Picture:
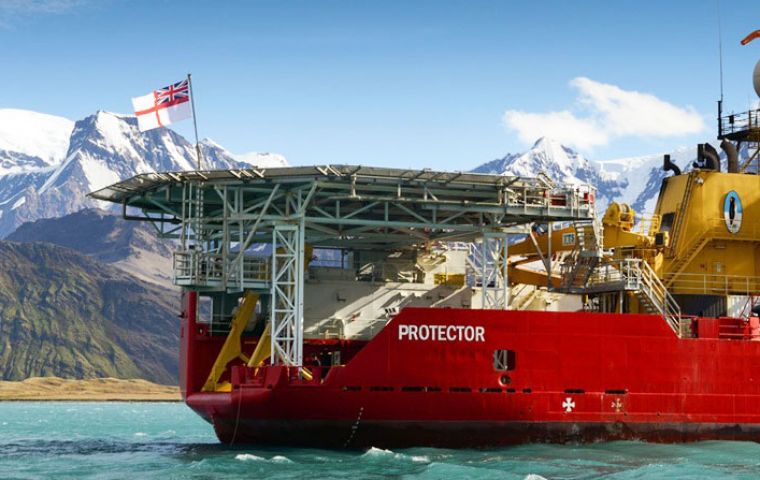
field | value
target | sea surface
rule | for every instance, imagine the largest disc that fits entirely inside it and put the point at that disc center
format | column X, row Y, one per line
column 115, row 440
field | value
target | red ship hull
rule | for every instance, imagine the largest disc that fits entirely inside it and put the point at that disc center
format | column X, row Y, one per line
column 574, row 376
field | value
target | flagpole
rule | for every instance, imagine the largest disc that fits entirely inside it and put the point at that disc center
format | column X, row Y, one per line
column 195, row 123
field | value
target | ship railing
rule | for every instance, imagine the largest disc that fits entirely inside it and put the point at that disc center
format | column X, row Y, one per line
column 606, row 273
column 712, row 229
column 579, row 200
column 635, row 274
column 659, row 296
column 714, row 284
column 623, row 274
column 739, row 122
column 255, row 269
column 649, row 224
column 193, row 266
column 206, row 269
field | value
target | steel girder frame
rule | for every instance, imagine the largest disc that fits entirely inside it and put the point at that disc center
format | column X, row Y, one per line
column 287, row 294
column 488, row 260
column 226, row 220
column 287, row 282
column 342, row 204
column 218, row 215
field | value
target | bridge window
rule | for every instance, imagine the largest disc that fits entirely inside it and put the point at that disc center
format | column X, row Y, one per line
column 205, row 313
column 504, row 360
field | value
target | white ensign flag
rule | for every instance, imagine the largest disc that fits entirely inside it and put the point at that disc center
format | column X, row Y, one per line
column 163, row 106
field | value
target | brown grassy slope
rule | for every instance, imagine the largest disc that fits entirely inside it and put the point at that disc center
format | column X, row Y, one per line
column 100, row 389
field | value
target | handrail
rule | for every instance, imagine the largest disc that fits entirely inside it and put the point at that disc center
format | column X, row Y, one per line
column 714, row 228
column 637, row 275
column 714, row 284
column 660, row 297
column 648, row 224
column 739, row 122
column 194, row 267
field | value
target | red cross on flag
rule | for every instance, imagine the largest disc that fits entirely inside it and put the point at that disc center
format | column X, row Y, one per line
column 163, row 106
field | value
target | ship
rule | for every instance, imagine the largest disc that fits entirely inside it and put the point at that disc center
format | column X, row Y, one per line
column 348, row 306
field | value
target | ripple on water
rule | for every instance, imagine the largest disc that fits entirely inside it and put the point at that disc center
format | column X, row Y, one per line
column 166, row 441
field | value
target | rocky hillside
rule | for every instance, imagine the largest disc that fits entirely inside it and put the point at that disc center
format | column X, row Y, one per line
column 65, row 314
column 130, row 246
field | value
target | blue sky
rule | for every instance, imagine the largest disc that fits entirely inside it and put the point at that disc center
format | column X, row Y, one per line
column 409, row 84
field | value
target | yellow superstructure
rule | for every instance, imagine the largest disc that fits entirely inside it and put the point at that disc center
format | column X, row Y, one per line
column 708, row 251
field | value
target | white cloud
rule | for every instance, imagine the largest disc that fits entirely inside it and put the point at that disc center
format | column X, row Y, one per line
column 562, row 126
column 606, row 112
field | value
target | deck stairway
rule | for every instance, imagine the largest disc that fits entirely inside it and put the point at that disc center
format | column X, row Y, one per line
column 588, row 272
column 651, row 292
column 585, row 257
column 635, row 275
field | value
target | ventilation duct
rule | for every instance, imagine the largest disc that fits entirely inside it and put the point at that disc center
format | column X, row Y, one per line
column 707, row 157
column 732, row 156
column 667, row 165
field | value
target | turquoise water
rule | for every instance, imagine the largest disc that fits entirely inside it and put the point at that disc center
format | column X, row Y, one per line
column 166, row 440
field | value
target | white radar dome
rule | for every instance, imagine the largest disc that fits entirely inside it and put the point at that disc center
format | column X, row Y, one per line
column 756, row 78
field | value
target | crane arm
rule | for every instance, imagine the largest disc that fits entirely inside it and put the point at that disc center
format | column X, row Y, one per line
column 750, row 37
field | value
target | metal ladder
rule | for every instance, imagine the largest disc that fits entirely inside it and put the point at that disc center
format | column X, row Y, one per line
column 681, row 216
column 586, row 254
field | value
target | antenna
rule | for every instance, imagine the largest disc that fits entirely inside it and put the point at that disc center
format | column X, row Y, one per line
column 720, row 50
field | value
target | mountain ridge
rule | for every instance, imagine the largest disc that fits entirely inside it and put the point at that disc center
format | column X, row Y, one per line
column 133, row 247
column 107, row 147
column 633, row 180
column 102, row 148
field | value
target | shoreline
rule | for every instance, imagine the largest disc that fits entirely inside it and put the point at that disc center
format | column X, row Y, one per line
column 89, row 400
column 55, row 389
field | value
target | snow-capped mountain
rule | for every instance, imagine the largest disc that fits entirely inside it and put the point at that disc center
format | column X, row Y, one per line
column 30, row 140
column 639, row 178
column 562, row 164
column 51, row 177
column 48, row 164
column 633, row 180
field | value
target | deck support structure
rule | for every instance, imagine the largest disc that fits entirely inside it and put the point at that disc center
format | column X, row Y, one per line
column 287, row 294
column 496, row 271
column 253, row 229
